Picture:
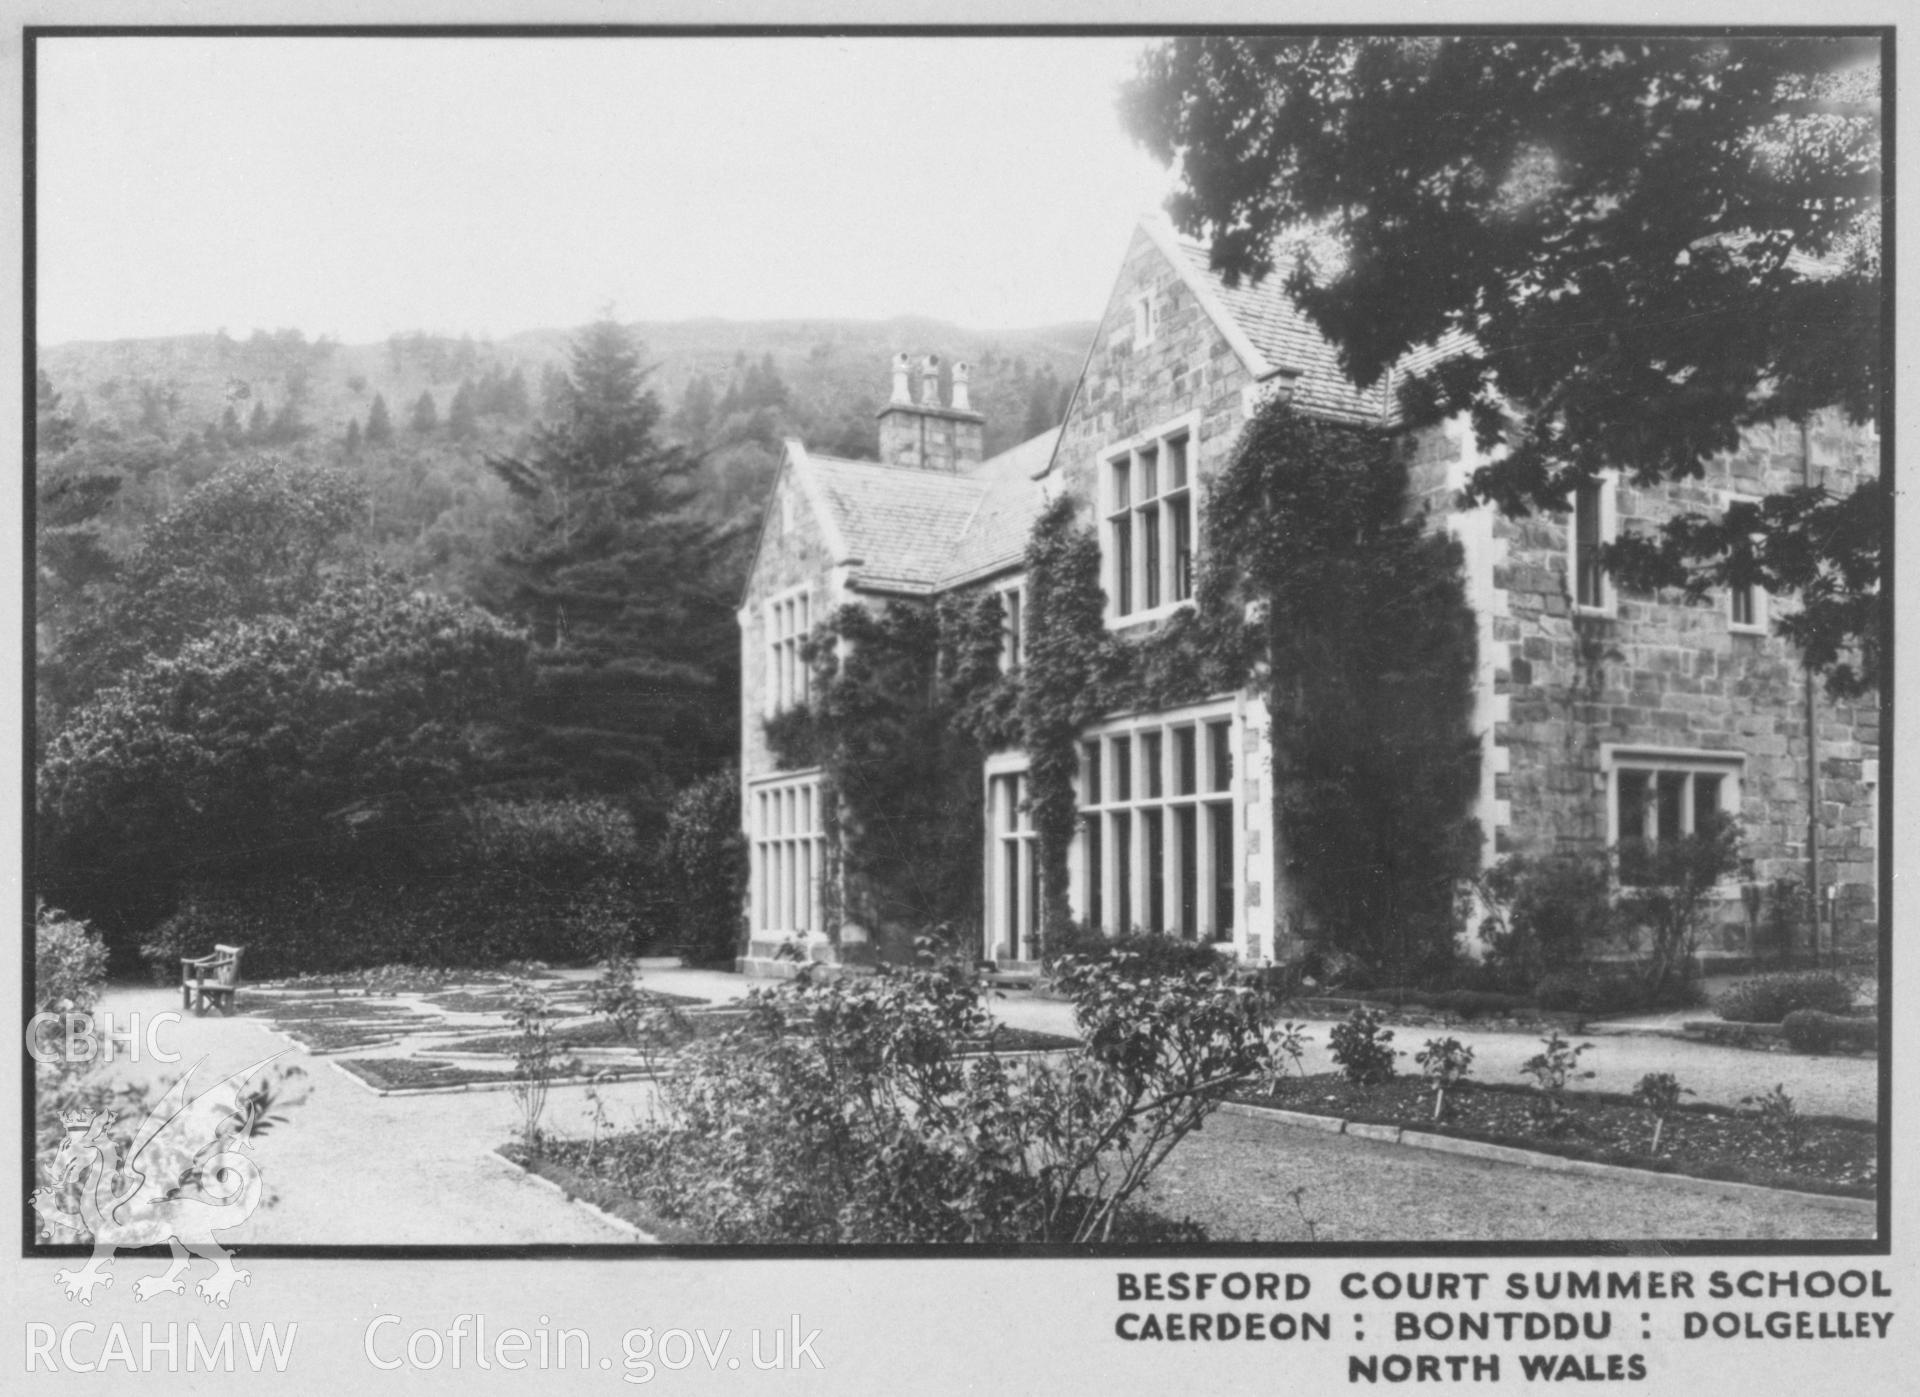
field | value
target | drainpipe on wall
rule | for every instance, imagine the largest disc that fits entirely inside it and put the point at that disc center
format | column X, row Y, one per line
column 1814, row 900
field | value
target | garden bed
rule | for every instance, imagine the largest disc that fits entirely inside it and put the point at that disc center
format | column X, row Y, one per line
column 1827, row 1154
column 1506, row 1019
column 324, row 1038
column 499, row 1002
column 565, row 1163
column 289, row 1009
column 606, row 1034
column 422, row 1074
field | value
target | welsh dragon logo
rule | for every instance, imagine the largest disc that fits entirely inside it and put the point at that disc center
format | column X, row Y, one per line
column 186, row 1177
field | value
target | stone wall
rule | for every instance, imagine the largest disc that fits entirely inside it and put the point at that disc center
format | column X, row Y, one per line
column 1130, row 389
column 793, row 551
column 1186, row 372
column 1661, row 673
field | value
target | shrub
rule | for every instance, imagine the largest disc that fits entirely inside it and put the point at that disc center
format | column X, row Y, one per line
column 1659, row 1093
column 1138, row 955
column 859, row 1110
column 1445, row 1062
column 1667, row 890
column 1812, row 1031
column 1544, row 912
column 549, row 880
column 1770, row 998
column 703, row 863
column 1360, row 1045
column 1466, row 1003
column 1597, row 992
column 1330, row 968
column 69, row 962
column 1551, row 1069
column 1778, row 1112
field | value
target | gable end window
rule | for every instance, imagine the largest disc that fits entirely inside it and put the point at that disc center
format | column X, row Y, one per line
column 1145, row 319
column 1148, row 539
column 789, row 617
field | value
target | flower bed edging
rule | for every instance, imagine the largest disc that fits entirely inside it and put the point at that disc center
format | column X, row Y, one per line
column 501, row 1081
column 614, row 1220
column 1514, row 1154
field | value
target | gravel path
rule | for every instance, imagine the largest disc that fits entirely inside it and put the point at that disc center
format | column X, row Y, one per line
column 1235, row 1176
column 350, row 1167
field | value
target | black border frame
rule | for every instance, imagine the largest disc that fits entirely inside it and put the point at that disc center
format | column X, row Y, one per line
column 1639, row 1249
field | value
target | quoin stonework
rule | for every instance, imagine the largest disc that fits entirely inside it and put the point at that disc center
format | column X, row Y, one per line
column 1602, row 714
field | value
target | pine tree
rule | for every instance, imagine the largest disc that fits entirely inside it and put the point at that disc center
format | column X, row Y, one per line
column 230, row 426
column 379, row 422
column 514, row 402
column 353, row 436
column 426, row 416
column 627, row 591
column 287, row 426
column 259, row 425
column 461, row 417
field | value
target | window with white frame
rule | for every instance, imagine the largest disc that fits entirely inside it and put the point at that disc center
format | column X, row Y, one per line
column 1013, row 870
column 1013, row 627
column 1655, row 795
column 1150, row 524
column 789, row 619
column 1590, row 530
column 788, row 849
column 1145, row 320
column 1157, row 826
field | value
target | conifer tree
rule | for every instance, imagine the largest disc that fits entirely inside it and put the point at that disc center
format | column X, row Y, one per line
column 461, row 417
column 626, row 588
column 379, row 422
column 426, row 416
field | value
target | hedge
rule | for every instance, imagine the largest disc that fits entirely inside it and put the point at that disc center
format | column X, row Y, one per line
column 1770, row 998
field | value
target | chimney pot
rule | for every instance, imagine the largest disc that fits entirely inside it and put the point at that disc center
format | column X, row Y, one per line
column 930, row 381
column 902, row 371
column 962, row 371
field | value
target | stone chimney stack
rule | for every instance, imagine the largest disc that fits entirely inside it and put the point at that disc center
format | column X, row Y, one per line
column 924, row 434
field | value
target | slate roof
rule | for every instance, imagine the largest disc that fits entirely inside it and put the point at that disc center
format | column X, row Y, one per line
column 909, row 530
column 1011, row 499
column 920, row 532
column 1280, row 331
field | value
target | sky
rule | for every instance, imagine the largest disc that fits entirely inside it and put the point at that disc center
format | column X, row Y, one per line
column 362, row 187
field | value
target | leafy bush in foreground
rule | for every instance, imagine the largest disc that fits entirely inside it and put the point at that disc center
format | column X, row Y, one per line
column 864, row 1111
column 69, row 962
column 1361, row 1047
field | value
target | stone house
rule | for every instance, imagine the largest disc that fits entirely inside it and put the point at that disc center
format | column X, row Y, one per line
column 1600, row 715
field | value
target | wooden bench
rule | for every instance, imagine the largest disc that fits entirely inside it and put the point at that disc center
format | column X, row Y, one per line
column 211, row 980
